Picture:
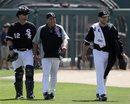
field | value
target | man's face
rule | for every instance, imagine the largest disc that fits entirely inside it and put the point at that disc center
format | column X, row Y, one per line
column 5, row 29
column 23, row 17
column 103, row 19
column 51, row 21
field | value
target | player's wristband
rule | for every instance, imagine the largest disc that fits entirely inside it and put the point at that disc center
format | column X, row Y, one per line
column 10, row 48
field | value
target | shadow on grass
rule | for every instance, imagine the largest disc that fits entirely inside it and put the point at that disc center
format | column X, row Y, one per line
column 7, row 99
column 91, row 101
column 11, row 99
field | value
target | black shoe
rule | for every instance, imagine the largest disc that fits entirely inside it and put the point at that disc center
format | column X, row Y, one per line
column 31, row 96
column 51, row 96
column 102, row 97
column 18, row 96
column 46, row 96
column 97, row 96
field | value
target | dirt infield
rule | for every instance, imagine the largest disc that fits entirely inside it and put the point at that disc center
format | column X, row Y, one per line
column 118, row 78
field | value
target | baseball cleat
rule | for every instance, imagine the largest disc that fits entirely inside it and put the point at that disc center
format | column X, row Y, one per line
column 46, row 96
column 97, row 96
column 19, row 97
column 102, row 97
column 30, row 97
column 51, row 95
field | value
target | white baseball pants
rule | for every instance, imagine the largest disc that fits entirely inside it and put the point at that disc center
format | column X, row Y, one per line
column 50, row 67
column 100, row 60
column 24, row 58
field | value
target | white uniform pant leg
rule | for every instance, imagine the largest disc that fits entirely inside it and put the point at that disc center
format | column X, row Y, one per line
column 100, row 60
column 19, row 62
column 53, row 78
column 24, row 58
column 46, row 66
column 27, row 57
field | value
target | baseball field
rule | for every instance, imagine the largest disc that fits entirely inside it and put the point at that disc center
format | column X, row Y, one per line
column 66, row 93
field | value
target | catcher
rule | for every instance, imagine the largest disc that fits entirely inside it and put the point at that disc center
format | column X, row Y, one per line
column 19, row 39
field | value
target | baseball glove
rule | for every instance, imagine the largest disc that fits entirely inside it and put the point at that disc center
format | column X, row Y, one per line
column 12, row 58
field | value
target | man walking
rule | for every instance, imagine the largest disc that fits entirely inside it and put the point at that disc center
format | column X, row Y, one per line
column 19, row 39
column 54, row 40
column 107, row 45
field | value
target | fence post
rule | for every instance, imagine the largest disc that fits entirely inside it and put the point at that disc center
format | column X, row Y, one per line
column 72, row 39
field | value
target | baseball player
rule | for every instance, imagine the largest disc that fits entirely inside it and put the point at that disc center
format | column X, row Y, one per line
column 54, row 40
column 19, row 39
column 105, row 39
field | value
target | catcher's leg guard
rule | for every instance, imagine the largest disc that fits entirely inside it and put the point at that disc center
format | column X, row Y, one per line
column 18, row 82
column 18, row 88
column 29, row 81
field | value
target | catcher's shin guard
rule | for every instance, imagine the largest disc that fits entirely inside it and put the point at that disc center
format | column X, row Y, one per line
column 19, row 89
column 18, row 82
column 29, row 89
column 29, row 81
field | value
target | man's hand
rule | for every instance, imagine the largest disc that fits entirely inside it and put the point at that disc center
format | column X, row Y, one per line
column 84, row 51
column 63, row 52
column 125, row 56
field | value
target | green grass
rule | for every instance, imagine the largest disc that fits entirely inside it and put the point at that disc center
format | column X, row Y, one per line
column 66, row 93
column 4, row 73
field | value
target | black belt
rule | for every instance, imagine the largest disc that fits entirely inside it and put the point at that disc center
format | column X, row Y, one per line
column 23, row 49
column 99, row 49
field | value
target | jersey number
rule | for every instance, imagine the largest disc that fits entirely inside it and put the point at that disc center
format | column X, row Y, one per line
column 16, row 35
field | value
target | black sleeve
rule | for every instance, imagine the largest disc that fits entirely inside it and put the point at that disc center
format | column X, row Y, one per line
column 118, row 40
column 34, row 32
column 10, row 34
column 89, row 37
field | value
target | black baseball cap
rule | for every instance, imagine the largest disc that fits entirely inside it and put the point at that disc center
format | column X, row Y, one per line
column 50, row 14
column 103, row 13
